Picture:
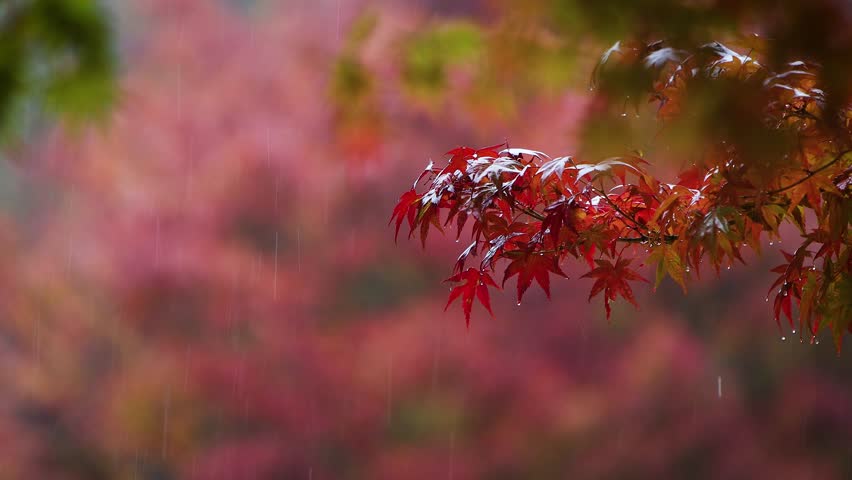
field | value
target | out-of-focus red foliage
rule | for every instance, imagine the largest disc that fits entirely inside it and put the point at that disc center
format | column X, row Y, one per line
column 205, row 289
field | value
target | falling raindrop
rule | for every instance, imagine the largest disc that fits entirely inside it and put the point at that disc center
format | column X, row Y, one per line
column 275, row 271
column 450, row 473
column 719, row 386
column 37, row 339
column 157, row 244
column 166, row 404
column 390, row 390
column 338, row 21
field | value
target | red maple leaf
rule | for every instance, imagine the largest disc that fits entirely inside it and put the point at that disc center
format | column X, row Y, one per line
column 612, row 280
column 460, row 156
column 528, row 265
column 406, row 208
column 475, row 283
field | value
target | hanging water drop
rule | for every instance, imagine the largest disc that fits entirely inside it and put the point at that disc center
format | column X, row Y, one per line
column 783, row 339
column 519, row 304
column 794, row 331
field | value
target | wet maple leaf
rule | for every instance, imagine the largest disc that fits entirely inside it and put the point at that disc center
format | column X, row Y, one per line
column 612, row 281
column 474, row 283
column 460, row 156
column 529, row 265
column 691, row 178
column 668, row 262
column 406, row 208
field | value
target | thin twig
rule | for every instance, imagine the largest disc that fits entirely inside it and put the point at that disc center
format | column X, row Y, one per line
column 530, row 212
column 617, row 208
column 810, row 174
column 669, row 239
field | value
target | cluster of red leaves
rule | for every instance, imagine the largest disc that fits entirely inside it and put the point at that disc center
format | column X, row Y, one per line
column 533, row 211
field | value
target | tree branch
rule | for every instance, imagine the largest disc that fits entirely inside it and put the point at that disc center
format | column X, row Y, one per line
column 810, row 174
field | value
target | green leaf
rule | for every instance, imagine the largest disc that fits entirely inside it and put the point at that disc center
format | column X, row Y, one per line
column 668, row 262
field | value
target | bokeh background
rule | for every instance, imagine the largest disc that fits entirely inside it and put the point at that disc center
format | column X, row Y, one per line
column 201, row 284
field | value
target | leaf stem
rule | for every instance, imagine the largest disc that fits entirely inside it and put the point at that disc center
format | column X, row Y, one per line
column 643, row 239
column 530, row 212
column 618, row 209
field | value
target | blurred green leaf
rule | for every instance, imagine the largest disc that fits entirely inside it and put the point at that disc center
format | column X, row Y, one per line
column 56, row 59
column 428, row 55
